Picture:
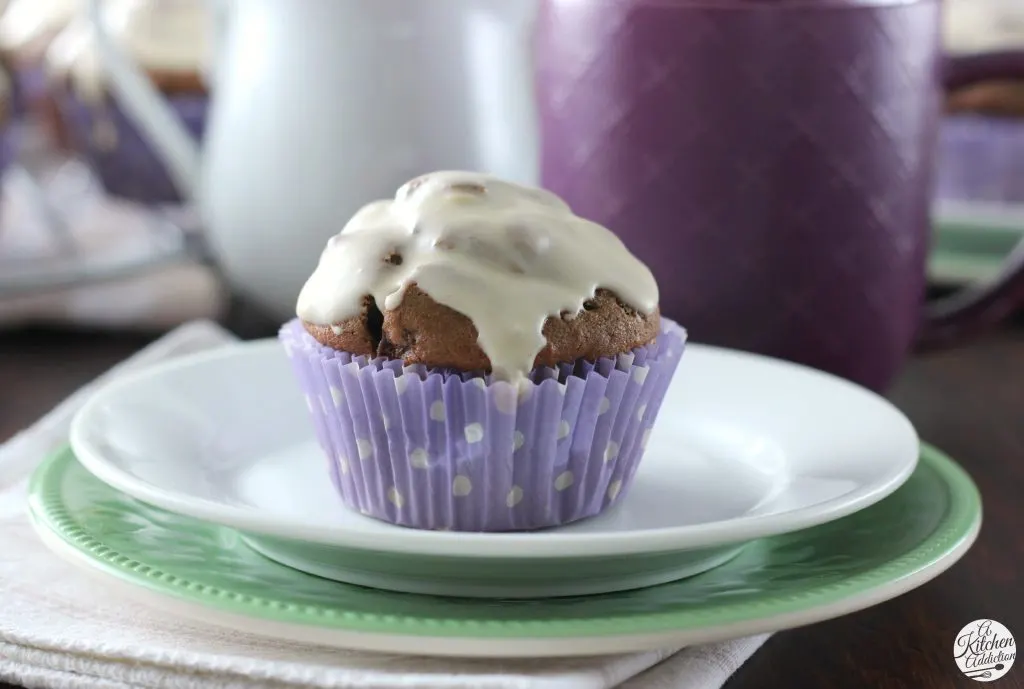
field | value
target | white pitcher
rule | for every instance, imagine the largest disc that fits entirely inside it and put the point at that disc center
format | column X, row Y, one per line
column 320, row 106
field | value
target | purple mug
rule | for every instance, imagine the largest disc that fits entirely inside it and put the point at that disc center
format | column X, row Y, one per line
column 772, row 162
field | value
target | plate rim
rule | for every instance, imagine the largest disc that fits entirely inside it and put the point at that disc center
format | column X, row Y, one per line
column 973, row 226
column 953, row 535
column 461, row 544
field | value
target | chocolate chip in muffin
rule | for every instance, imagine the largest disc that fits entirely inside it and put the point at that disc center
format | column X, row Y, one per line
column 628, row 310
column 374, row 322
column 468, row 188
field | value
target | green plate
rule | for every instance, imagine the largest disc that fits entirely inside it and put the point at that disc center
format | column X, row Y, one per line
column 206, row 572
column 971, row 247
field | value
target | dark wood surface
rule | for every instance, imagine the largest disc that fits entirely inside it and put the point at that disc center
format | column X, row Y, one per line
column 968, row 401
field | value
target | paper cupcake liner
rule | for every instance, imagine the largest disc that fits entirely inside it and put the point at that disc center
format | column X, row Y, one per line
column 28, row 87
column 437, row 449
column 126, row 163
column 981, row 159
column 10, row 143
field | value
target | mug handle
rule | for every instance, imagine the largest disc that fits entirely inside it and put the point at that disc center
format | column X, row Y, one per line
column 147, row 108
column 977, row 307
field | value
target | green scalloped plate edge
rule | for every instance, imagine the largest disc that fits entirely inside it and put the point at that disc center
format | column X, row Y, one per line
column 951, row 538
column 971, row 247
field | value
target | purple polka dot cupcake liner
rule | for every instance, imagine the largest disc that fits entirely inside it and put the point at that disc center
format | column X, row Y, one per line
column 981, row 159
column 438, row 449
column 28, row 86
column 119, row 154
column 10, row 142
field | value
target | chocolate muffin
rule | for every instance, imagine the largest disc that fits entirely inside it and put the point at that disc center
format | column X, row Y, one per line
column 422, row 331
column 981, row 142
column 477, row 357
column 168, row 39
column 981, row 150
column 993, row 98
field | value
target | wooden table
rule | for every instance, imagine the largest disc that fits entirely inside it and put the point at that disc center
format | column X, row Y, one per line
column 969, row 402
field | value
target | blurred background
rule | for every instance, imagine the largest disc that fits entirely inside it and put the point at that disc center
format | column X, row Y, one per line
column 165, row 160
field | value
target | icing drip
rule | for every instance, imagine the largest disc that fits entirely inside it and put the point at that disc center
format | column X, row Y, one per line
column 160, row 35
column 973, row 26
column 26, row 23
column 504, row 255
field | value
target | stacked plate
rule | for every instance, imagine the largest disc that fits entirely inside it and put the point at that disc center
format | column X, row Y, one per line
column 770, row 496
column 971, row 241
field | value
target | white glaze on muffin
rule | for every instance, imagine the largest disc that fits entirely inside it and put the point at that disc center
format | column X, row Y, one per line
column 506, row 256
column 164, row 37
column 27, row 26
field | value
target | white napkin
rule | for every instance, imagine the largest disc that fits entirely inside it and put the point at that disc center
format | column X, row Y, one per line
column 60, row 628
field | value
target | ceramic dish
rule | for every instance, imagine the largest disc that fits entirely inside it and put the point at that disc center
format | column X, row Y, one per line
column 746, row 447
column 204, row 571
column 971, row 241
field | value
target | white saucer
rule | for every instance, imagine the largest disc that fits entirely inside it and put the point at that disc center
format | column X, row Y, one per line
column 744, row 447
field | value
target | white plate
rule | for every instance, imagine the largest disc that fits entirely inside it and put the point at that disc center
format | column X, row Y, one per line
column 203, row 571
column 744, row 447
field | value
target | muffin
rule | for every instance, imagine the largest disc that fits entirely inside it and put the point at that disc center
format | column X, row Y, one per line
column 27, row 28
column 981, row 142
column 477, row 358
column 169, row 40
column 981, row 155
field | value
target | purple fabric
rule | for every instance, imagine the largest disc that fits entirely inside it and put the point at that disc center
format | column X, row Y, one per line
column 130, row 169
column 981, row 159
column 436, row 449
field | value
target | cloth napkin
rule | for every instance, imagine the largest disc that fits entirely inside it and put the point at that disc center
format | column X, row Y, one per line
column 60, row 628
